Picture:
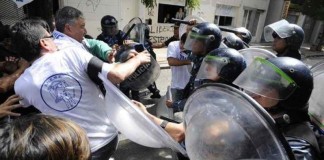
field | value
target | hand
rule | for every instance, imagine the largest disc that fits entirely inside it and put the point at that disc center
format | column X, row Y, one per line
column 11, row 59
column 22, row 63
column 193, row 22
column 111, row 56
column 144, row 57
column 141, row 107
column 168, row 103
column 9, row 105
column 7, row 83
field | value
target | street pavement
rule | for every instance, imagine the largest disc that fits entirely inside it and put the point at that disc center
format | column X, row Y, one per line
column 128, row 150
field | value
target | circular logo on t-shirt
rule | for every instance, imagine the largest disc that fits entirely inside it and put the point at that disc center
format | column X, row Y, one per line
column 61, row 92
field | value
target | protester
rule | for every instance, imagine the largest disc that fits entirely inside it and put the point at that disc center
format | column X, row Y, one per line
column 40, row 137
column 179, row 64
column 58, row 83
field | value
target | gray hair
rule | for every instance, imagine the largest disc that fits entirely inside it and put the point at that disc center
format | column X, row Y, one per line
column 66, row 15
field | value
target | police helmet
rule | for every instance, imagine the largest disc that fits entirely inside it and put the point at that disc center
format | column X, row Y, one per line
column 245, row 34
column 296, row 39
column 293, row 33
column 108, row 21
column 227, row 63
column 285, row 79
column 208, row 34
column 233, row 41
column 302, row 77
column 109, row 25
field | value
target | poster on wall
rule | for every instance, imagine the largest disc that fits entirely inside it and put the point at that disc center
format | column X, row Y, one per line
column 166, row 12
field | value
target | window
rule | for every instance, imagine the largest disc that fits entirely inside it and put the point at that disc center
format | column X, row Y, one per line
column 251, row 20
column 223, row 20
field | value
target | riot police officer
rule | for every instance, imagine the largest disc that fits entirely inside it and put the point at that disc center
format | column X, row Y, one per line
column 110, row 32
column 287, row 38
column 283, row 86
column 233, row 41
column 221, row 65
column 202, row 39
column 244, row 34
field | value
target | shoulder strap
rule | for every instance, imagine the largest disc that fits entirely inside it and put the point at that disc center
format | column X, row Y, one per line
column 302, row 131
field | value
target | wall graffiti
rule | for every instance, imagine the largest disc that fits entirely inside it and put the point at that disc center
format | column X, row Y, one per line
column 92, row 4
column 160, row 33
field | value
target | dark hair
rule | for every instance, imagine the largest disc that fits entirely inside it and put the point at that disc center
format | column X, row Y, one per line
column 26, row 36
column 66, row 15
column 183, row 38
column 40, row 137
column 41, row 21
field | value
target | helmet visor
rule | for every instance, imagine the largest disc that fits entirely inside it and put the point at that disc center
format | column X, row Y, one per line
column 265, row 79
column 211, row 67
column 280, row 29
column 197, row 43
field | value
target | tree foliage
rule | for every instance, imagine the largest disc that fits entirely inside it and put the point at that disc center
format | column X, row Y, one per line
column 314, row 9
column 193, row 4
column 149, row 3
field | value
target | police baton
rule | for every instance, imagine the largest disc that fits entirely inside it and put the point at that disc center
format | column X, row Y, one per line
column 120, row 42
column 181, row 21
column 230, row 30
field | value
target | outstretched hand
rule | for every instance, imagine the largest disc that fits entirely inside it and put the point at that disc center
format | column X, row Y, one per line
column 144, row 57
column 140, row 106
column 9, row 105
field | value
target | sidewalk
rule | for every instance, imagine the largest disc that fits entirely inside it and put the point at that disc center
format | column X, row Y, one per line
column 161, row 53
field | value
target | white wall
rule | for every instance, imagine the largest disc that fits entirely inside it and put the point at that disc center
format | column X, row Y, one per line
column 125, row 10
column 94, row 10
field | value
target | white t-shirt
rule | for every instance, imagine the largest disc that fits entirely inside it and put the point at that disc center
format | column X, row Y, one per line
column 180, row 74
column 58, row 84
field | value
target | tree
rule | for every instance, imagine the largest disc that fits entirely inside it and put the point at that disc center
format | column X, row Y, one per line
column 315, row 9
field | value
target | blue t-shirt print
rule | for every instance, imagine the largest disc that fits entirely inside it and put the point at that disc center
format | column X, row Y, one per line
column 61, row 92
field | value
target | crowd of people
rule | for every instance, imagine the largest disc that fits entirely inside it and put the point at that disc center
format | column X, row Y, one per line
column 55, row 72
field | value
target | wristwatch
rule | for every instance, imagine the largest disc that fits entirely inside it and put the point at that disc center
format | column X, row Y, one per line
column 164, row 123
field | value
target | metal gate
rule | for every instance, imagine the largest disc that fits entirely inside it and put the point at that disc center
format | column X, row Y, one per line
column 9, row 13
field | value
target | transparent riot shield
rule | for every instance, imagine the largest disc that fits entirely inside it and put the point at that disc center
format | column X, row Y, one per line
column 133, row 123
column 316, row 101
column 135, row 30
column 251, row 53
column 224, row 123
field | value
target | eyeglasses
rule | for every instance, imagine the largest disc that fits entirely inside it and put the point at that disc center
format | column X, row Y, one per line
column 51, row 36
column 275, row 35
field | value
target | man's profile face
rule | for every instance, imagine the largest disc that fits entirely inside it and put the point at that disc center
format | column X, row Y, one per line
column 198, row 47
column 176, row 32
column 211, row 71
column 77, row 30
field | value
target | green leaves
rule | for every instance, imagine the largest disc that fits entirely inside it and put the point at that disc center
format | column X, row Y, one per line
column 193, row 4
column 149, row 3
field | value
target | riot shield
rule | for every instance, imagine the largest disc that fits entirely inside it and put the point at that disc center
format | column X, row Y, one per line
column 135, row 27
column 145, row 74
column 161, row 109
column 316, row 102
column 133, row 123
column 251, row 53
column 224, row 123
column 183, row 27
